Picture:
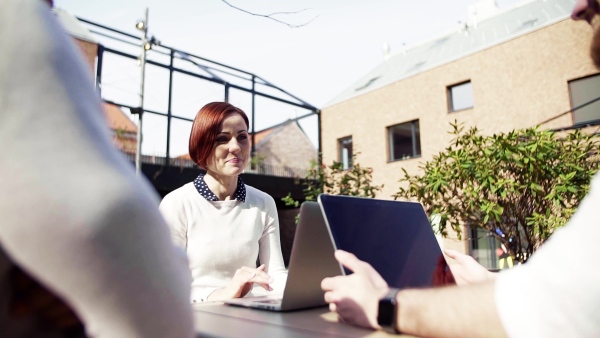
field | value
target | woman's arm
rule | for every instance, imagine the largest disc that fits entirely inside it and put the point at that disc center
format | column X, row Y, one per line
column 270, row 247
column 272, row 271
column 242, row 283
column 171, row 208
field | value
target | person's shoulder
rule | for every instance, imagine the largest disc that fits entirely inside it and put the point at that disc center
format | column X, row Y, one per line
column 595, row 182
column 181, row 193
column 260, row 199
column 252, row 192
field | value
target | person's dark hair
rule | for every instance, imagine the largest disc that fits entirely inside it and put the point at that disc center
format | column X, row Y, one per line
column 206, row 127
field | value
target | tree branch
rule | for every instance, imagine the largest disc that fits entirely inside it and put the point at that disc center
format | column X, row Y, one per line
column 271, row 16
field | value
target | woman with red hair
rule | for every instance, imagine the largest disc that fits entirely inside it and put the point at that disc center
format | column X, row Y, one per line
column 221, row 223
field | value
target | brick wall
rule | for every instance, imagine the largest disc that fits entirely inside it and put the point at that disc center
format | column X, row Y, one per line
column 89, row 50
column 516, row 84
column 289, row 147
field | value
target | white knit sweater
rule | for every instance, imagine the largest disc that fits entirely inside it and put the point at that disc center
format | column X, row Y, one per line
column 221, row 237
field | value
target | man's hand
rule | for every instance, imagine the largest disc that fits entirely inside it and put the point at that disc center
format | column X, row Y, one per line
column 468, row 270
column 242, row 283
column 355, row 297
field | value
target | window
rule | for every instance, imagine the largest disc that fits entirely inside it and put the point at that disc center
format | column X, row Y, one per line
column 483, row 248
column 460, row 96
column 404, row 141
column 583, row 91
column 345, row 146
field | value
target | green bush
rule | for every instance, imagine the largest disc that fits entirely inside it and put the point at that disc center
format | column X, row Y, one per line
column 520, row 186
column 335, row 180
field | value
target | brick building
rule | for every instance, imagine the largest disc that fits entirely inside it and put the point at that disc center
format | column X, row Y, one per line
column 123, row 130
column 81, row 36
column 285, row 146
column 503, row 70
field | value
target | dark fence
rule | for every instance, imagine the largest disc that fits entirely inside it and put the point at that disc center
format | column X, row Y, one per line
column 258, row 169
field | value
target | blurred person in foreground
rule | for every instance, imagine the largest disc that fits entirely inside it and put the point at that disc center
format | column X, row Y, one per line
column 83, row 248
column 557, row 293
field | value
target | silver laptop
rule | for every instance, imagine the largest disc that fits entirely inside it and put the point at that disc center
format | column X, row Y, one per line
column 395, row 237
column 311, row 260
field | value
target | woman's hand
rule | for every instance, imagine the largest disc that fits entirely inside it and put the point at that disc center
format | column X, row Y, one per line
column 242, row 283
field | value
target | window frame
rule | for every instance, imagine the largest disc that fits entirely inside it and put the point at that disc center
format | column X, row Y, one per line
column 449, row 96
column 416, row 153
column 340, row 143
column 478, row 236
column 574, row 112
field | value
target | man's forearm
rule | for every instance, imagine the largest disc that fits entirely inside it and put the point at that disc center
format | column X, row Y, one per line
column 467, row 311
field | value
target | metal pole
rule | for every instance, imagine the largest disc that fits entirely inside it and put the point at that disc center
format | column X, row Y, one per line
column 169, row 113
column 253, row 117
column 138, row 162
column 99, row 70
column 319, row 135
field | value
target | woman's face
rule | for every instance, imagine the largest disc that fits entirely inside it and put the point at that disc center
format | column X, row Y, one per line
column 232, row 147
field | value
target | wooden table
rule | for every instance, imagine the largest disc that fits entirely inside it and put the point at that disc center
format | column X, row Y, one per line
column 219, row 320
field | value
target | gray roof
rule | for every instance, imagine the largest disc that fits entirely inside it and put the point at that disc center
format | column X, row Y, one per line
column 505, row 25
column 72, row 25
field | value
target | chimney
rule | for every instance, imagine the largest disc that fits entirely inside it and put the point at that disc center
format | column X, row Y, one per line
column 462, row 28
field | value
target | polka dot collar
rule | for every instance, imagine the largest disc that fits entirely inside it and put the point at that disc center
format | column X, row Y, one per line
column 240, row 191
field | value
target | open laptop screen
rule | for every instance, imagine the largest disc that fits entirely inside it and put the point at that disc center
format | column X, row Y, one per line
column 394, row 237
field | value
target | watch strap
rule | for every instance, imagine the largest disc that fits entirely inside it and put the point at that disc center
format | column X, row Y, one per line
column 387, row 315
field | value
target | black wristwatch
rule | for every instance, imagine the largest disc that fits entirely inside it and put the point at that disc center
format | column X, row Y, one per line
column 388, row 311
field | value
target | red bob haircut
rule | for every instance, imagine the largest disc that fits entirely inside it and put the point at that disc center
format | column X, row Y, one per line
column 206, row 127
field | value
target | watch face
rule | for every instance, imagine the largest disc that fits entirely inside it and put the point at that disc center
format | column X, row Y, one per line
column 386, row 312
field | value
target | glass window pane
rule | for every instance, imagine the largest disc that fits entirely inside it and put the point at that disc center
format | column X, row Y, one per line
column 405, row 141
column 345, row 156
column 417, row 138
column 583, row 91
column 483, row 248
column 461, row 96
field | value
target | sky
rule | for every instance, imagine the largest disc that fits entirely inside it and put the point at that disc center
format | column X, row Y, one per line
column 342, row 41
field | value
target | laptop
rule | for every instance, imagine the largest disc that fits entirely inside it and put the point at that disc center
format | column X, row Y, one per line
column 395, row 237
column 311, row 260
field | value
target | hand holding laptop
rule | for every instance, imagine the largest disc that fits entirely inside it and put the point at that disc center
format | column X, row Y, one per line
column 242, row 283
column 355, row 297
column 467, row 270
column 357, row 294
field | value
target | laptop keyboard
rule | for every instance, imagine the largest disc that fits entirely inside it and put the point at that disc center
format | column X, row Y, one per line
column 269, row 301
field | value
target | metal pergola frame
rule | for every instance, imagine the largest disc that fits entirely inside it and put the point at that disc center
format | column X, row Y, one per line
column 209, row 66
